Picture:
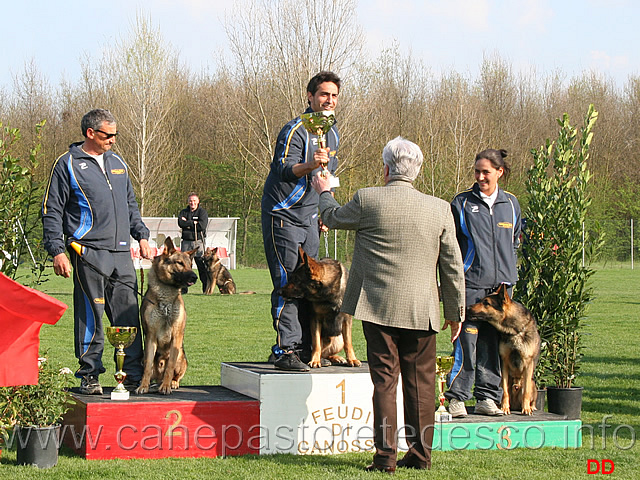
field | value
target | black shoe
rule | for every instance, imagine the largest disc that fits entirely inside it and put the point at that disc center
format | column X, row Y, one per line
column 90, row 385
column 131, row 384
column 290, row 362
column 272, row 358
column 374, row 467
column 410, row 461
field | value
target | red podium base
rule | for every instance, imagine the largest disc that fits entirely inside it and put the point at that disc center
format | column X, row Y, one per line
column 209, row 421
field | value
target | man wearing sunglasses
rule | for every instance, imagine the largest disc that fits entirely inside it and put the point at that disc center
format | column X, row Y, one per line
column 90, row 210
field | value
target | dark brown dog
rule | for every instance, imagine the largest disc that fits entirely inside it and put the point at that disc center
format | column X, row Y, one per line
column 164, row 319
column 519, row 348
column 217, row 274
column 323, row 284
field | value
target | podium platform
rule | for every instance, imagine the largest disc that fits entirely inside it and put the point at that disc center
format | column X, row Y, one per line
column 329, row 411
column 190, row 422
column 261, row 410
column 325, row 411
column 508, row 432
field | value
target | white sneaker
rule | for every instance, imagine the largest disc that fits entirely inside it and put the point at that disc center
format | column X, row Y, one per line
column 457, row 408
column 487, row 407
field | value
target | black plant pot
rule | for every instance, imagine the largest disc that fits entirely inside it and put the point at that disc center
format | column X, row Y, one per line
column 38, row 445
column 565, row 401
column 540, row 399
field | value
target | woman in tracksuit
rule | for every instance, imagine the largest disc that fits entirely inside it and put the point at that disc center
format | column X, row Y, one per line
column 488, row 230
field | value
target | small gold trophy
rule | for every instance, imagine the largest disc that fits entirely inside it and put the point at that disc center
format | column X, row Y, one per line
column 121, row 338
column 319, row 123
column 444, row 365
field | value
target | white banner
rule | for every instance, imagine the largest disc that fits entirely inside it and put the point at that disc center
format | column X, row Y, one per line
column 221, row 233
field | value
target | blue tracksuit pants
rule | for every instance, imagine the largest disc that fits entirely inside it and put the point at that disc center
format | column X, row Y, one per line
column 93, row 295
column 476, row 359
column 281, row 242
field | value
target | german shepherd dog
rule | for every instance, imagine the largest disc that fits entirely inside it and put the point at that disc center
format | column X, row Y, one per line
column 217, row 274
column 164, row 319
column 519, row 348
column 323, row 284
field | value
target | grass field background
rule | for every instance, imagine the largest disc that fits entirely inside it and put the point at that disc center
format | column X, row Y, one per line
column 238, row 328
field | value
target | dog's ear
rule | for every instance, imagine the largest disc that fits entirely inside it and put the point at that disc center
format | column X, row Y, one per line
column 207, row 251
column 214, row 250
column 310, row 264
column 503, row 294
column 192, row 253
column 316, row 269
column 304, row 258
column 169, row 248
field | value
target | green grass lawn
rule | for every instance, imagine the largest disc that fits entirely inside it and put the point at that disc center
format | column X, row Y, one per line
column 238, row 328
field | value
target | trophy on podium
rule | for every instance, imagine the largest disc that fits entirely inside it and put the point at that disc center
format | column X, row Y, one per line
column 444, row 364
column 121, row 338
column 319, row 123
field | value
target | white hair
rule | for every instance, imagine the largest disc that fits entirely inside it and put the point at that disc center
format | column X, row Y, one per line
column 404, row 159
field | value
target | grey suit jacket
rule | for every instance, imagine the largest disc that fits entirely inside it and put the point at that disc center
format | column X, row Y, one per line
column 403, row 237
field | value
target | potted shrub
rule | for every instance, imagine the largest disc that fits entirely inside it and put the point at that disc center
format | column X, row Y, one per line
column 34, row 413
column 556, row 255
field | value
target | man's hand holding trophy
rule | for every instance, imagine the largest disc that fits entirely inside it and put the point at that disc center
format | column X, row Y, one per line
column 319, row 123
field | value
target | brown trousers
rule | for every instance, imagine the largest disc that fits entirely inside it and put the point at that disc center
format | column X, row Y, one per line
column 392, row 351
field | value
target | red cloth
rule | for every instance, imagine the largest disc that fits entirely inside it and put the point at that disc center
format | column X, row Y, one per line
column 23, row 310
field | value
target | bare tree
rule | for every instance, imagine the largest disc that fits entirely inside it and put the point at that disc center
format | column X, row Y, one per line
column 632, row 131
column 143, row 82
column 33, row 102
column 387, row 99
column 461, row 133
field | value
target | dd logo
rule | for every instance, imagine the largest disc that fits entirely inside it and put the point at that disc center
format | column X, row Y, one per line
column 605, row 467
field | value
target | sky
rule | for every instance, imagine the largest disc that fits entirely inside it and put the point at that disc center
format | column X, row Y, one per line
column 541, row 36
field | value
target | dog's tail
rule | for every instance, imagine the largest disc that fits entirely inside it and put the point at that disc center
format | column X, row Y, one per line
column 248, row 292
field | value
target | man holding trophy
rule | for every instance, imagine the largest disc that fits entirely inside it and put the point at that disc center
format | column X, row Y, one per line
column 306, row 145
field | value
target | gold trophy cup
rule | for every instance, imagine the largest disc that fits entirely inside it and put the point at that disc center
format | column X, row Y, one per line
column 121, row 338
column 319, row 123
column 444, row 364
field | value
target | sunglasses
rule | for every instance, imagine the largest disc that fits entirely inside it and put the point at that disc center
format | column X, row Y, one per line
column 108, row 135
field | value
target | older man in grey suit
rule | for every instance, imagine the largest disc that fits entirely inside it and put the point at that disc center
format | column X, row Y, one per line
column 403, row 238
